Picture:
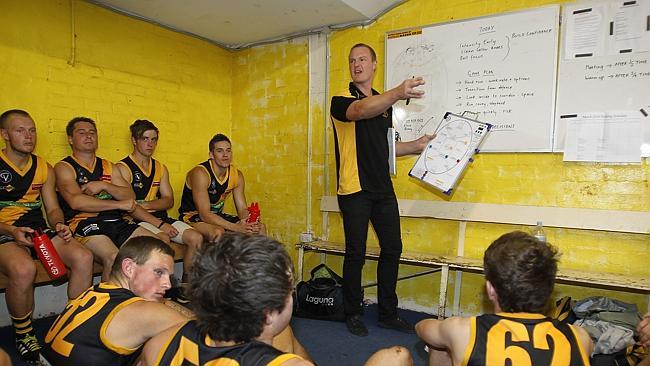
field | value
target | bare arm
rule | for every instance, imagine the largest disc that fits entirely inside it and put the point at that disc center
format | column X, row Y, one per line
column 72, row 194
column 644, row 330
column 18, row 232
column 413, row 147
column 166, row 200
column 52, row 209
column 199, row 180
column 138, row 322
column 240, row 198
column 374, row 105
column 451, row 334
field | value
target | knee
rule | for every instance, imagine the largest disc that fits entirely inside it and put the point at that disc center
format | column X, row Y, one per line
column 193, row 239
column 400, row 355
column 215, row 233
column 21, row 273
column 81, row 260
column 164, row 237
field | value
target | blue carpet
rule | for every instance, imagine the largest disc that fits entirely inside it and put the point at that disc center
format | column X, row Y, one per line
column 330, row 343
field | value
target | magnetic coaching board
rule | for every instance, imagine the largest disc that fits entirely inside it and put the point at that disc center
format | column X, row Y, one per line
column 501, row 66
column 445, row 158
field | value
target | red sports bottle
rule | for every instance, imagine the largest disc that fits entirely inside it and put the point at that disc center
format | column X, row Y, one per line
column 48, row 255
column 253, row 212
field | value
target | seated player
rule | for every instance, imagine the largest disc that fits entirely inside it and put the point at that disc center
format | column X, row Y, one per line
column 107, row 324
column 206, row 188
column 95, row 195
column 241, row 291
column 26, row 183
column 149, row 180
column 520, row 275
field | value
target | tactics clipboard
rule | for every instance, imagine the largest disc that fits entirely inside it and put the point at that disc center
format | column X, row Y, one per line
column 445, row 158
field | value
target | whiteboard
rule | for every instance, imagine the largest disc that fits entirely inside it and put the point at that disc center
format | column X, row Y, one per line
column 604, row 61
column 445, row 158
column 502, row 67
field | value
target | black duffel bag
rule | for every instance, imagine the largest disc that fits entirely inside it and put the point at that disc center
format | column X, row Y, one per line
column 321, row 297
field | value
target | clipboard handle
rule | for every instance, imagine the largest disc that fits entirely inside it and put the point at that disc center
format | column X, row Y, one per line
column 472, row 115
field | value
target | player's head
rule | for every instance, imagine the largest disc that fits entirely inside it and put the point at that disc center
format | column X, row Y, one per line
column 18, row 130
column 82, row 134
column 239, row 286
column 221, row 150
column 144, row 264
column 144, row 136
column 520, row 271
column 362, row 62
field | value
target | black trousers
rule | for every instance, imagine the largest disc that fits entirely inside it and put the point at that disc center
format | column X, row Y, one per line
column 381, row 210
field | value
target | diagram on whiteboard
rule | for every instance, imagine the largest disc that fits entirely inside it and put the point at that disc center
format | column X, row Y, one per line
column 502, row 67
column 443, row 161
column 418, row 56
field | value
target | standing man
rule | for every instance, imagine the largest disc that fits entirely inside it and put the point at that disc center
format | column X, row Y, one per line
column 520, row 275
column 149, row 180
column 206, row 189
column 361, row 118
column 95, row 195
column 26, row 183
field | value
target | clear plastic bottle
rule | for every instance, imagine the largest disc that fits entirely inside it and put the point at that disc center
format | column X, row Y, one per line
column 539, row 233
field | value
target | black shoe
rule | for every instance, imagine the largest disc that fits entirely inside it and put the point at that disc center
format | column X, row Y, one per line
column 397, row 324
column 28, row 347
column 355, row 326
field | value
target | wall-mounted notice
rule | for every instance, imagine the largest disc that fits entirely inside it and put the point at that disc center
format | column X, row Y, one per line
column 604, row 63
column 502, row 66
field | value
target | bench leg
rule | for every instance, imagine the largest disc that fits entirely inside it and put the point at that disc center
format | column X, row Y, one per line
column 301, row 258
column 442, row 302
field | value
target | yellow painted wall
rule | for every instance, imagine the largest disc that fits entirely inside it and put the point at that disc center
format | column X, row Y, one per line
column 122, row 69
column 523, row 179
column 269, row 129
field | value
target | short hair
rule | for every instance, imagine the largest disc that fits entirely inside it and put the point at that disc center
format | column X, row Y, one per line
column 69, row 128
column 139, row 249
column 372, row 51
column 4, row 117
column 235, row 282
column 218, row 138
column 140, row 126
column 522, row 270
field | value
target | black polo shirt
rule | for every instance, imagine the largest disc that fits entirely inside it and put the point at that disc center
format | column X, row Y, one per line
column 361, row 146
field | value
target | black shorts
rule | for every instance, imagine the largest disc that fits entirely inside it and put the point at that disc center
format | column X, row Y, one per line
column 8, row 238
column 193, row 217
column 117, row 230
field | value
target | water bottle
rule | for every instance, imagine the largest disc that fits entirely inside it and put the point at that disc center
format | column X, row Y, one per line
column 48, row 255
column 539, row 233
column 253, row 212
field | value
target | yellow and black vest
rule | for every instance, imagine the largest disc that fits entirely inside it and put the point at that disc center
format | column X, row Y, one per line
column 522, row 339
column 20, row 192
column 146, row 185
column 188, row 347
column 218, row 190
column 102, row 170
column 78, row 335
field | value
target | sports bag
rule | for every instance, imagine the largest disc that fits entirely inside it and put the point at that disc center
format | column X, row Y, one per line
column 321, row 297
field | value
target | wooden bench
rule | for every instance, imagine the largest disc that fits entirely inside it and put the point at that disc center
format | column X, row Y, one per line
column 605, row 220
column 42, row 277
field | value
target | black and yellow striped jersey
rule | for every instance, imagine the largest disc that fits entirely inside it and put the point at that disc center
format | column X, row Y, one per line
column 102, row 170
column 145, row 182
column 20, row 192
column 218, row 190
column 78, row 335
column 522, row 339
column 188, row 347
column 361, row 146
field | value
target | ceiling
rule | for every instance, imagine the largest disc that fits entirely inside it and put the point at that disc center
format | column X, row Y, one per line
column 237, row 24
